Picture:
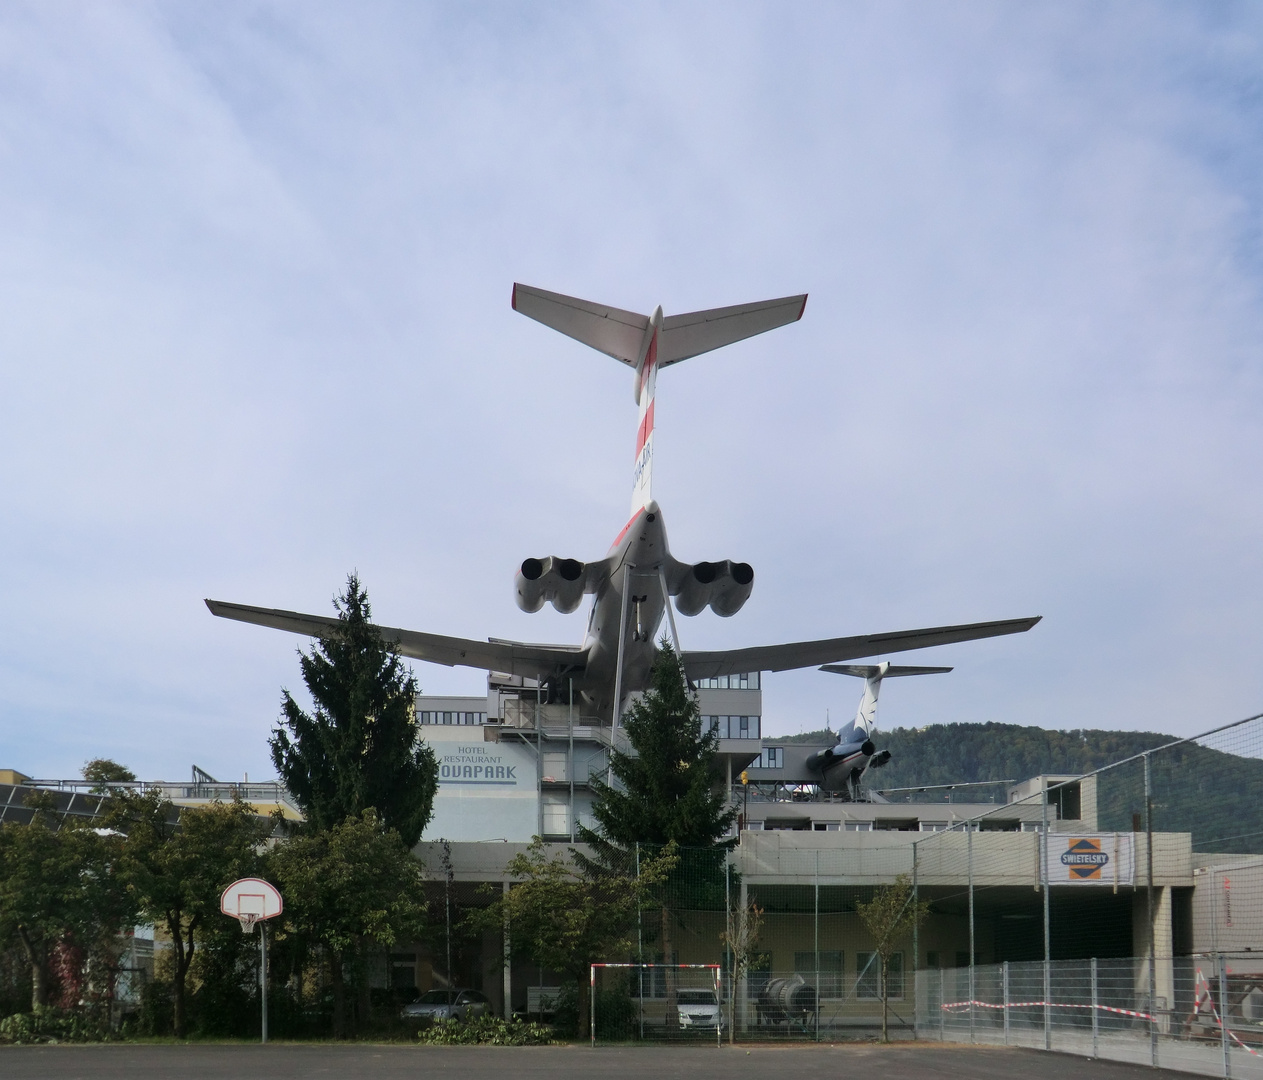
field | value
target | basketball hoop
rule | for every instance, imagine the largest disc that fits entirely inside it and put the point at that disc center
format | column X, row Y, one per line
column 250, row 901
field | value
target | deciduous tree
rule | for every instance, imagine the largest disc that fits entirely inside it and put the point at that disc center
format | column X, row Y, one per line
column 564, row 920
column 349, row 886
column 889, row 917
column 178, row 863
column 58, row 887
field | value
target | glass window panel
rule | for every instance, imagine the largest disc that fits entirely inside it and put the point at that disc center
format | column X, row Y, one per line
column 867, row 975
column 894, row 975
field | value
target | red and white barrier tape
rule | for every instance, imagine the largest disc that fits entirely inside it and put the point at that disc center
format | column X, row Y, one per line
column 1202, row 994
column 1051, row 1004
column 1210, row 1000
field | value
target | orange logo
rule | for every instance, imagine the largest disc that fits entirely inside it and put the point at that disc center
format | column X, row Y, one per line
column 1084, row 858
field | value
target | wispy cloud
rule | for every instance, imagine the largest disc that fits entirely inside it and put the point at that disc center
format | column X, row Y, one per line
column 254, row 331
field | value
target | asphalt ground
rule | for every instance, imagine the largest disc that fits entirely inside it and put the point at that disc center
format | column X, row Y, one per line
column 280, row 1061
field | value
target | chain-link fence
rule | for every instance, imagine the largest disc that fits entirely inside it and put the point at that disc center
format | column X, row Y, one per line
column 1127, row 922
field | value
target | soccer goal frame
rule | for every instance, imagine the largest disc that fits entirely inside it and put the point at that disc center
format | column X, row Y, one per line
column 716, row 971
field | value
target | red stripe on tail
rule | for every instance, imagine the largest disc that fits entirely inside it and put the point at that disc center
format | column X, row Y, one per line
column 645, row 430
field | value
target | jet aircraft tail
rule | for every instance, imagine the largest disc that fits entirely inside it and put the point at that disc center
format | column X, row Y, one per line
column 646, row 343
column 865, row 722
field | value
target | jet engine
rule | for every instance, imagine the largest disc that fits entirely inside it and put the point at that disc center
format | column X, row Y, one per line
column 722, row 586
column 558, row 581
column 854, row 753
column 787, row 1000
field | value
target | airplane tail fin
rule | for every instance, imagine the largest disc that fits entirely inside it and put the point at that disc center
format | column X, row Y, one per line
column 865, row 721
column 646, row 343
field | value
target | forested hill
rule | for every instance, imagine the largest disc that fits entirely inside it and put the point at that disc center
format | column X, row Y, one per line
column 968, row 753
column 1213, row 795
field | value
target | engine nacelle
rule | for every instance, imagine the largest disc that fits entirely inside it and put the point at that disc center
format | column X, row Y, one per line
column 722, row 586
column 852, row 753
column 558, row 581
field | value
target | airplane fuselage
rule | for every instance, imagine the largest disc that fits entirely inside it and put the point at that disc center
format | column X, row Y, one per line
column 629, row 604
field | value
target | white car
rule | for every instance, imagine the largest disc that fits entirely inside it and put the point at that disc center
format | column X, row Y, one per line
column 698, row 1009
column 447, row 1005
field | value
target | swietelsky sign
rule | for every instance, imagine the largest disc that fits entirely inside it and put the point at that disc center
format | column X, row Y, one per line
column 1091, row 859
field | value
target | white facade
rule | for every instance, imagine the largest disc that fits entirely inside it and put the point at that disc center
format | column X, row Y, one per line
column 487, row 790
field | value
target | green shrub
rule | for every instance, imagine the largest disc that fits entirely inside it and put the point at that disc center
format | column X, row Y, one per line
column 485, row 1031
column 51, row 1026
column 616, row 1014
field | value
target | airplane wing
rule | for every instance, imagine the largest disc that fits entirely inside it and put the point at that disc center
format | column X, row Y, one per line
column 510, row 657
column 697, row 332
column 800, row 654
column 610, row 330
column 867, row 671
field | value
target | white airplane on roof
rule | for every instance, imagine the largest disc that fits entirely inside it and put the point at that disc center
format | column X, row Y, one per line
column 843, row 766
column 631, row 585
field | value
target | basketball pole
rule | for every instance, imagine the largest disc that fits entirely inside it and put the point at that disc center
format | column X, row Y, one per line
column 263, row 974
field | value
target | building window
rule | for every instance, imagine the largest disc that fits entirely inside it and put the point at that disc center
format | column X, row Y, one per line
column 933, row 826
column 732, row 727
column 403, row 971
column 463, row 718
column 868, row 972
column 824, row 969
column 773, row 757
column 859, row 826
column 867, row 975
column 894, row 975
column 748, row 681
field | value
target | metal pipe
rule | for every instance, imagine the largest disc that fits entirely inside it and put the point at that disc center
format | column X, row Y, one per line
column 969, row 856
column 570, row 761
column 1224, row 1044
column 618, row 667
column 1095, row 1010
column 640, row 949
column 666, row 600
column 1153, row 950
column 1043, row 874
column 916, row 940
column 263, row 975
column 1006, row 1003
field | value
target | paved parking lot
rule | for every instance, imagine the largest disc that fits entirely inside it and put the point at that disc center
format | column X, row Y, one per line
column 279, row 1061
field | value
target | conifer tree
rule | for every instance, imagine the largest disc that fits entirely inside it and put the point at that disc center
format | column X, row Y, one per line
column 667, row 791
column 360, row 749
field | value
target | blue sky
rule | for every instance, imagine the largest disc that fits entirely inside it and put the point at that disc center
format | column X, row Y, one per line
column 255, row 332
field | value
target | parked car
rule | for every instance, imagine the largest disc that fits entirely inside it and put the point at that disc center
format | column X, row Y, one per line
column 446, row 1005
column 698, row 1009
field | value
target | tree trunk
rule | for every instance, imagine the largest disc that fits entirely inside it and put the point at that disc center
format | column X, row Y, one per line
column 673, row 1012
column 39, row 970
column 364, row 1009
column 339, row 994
column 885, row 1001
column 585, row 992
column 183, row 960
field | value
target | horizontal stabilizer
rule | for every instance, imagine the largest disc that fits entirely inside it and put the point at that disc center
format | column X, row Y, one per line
column 801, row 654
column 871, row 671
column 622, row 334
column 510, row 657
column 615, row 332
column 700, row 331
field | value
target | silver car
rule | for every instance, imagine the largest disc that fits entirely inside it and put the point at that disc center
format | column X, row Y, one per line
column 446, row 1005
column 698, row 1009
